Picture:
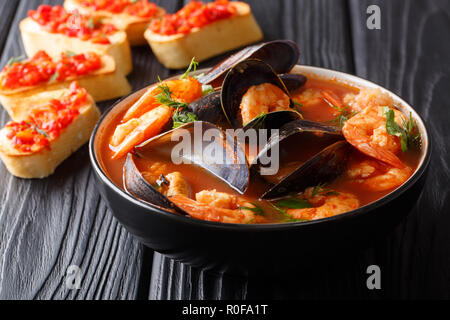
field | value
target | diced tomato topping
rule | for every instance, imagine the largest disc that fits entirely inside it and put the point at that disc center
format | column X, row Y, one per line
column 72, row 24
column 139, row 8
column 193, row 15
column 41, row 68
column 45, row 122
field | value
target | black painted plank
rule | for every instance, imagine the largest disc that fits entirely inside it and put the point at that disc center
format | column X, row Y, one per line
column 47, row 225
column 321, row 28
column 409, row 55
column 8, row 9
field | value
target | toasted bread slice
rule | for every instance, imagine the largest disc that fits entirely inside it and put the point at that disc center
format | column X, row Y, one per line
column 36, row 38
column 134, row 26
column 103, row 84
column 42, row 163
column 176, row 51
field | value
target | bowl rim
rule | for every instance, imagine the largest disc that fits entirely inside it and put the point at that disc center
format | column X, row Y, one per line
column 324, row 73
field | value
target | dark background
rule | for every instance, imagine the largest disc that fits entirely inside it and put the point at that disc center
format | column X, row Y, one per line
column 47, row 225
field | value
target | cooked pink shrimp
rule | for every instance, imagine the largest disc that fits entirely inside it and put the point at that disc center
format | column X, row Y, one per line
column 368, row 97
column 375, row 176
column 366, row 131
column 266, row 98
column 217, row 206
column 325, row 205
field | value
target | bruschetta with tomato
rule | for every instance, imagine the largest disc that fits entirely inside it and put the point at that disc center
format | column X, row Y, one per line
column 55, row 30
column 131, row 16
column 22, row 79
column 54, row 128
column 202, row 31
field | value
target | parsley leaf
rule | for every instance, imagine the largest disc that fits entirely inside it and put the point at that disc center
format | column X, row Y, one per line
column 294, row 203
column 408, row 132
column 182, row 117
column 194, row 65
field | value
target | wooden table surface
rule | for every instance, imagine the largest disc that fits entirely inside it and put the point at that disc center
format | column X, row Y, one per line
column 47, row 225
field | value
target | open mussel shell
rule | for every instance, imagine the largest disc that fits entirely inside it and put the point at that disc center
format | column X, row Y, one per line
column 205, row 145
column 281, row 55
column 324, row 167
column 293, row 132
column 293, row 81
column 135, row 184
column 207, row 108
column 238, row 80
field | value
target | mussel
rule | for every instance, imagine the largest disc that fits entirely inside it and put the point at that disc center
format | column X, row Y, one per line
column 239, row 79
column 293, row 81
column 324, row 167
column 207, row 108
column 199, row 143
column 269, row 52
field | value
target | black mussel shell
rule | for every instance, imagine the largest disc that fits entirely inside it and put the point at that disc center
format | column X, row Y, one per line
column 281, row 55
column 297, row 127
column 324, row 167
column 136, row 185
column 238, row 80
column 207, row 108
column 208, row 147
column 293, row 81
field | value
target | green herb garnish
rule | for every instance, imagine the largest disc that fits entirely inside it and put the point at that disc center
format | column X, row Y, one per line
column 37, row 129
column 91, row 23
column 286, row 216
column 408, row 132
column 207, row 89
column 182, row 117
column 165, row 97
column 294, row 203
column 54, row 77
column 344, row 114
column 13, row 60
column 70, row 53
column 192, row 65
column 259, row 122
column 297, row 105
column 323, row 190
column 256, row 209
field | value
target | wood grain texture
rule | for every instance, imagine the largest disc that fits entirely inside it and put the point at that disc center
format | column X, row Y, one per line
column 47, row 225
column 409, row 56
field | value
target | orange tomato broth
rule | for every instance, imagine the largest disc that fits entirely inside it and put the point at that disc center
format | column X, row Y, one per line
column 290, row 154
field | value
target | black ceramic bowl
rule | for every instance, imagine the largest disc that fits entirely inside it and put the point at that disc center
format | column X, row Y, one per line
column 268, row 248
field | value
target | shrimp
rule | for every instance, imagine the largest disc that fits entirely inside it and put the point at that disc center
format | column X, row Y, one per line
column 366, row 131
column 217, row 206
column 135, row 131
column 147, row 116
column 266, row 98
column 368, row 98
column 325, row 205
column 375, row 176
column 183, row 90
column 177, row 185
column 309, row 98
